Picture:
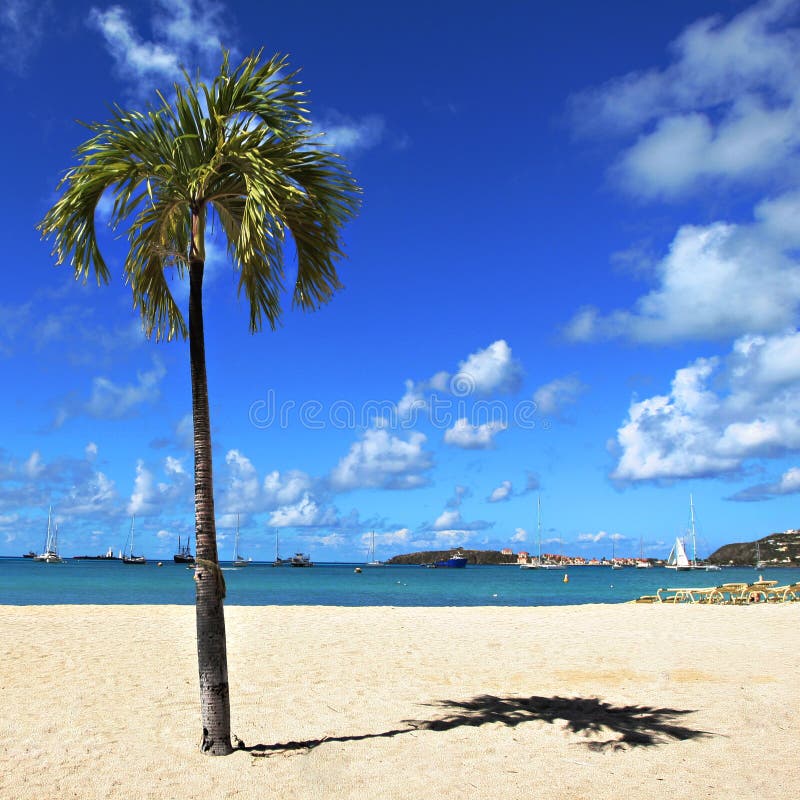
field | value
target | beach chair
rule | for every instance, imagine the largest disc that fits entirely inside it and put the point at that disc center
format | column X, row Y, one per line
column 783, row 594
column 662, row 598
column 728, row 591
column 755, row 592
column 706, row 595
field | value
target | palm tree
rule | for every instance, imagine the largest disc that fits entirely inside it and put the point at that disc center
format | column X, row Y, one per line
column 239, row 151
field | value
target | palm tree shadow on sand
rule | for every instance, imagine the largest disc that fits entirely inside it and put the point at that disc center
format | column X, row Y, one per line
column 626, row 726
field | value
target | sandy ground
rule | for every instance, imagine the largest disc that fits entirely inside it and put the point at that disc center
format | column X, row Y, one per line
column 637, row 701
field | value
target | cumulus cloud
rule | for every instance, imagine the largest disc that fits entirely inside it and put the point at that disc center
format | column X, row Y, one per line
column 473, row 437
column 382, row 460
column 718, row 414
column 304, row 513
column 725, row 107
column 551, row 398
column 22, row 25
column 151, row 496
column 110, row 400
column 185, row 33
column 493, row 369
column 520, row 535
column 717, row 281
column 346, row 135
column 788, row 483
column 500, row 493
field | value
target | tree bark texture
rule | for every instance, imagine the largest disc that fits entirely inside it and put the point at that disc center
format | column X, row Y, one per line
column 212, row 654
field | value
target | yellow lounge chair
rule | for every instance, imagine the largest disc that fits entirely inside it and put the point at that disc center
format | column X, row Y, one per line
column 783, row 594
column 755, row 592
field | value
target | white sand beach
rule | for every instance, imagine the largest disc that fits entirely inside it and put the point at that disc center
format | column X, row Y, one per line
column 640, row 701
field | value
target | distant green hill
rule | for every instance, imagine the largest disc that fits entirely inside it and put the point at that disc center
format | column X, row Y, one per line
column 472, row 556
column 775, row 550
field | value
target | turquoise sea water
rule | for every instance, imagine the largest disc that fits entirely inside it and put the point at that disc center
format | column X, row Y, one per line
column 24, row 582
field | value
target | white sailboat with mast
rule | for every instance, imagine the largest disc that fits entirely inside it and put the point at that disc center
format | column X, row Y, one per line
column 373, row 562
column 238, row 559
column 127, row 555
column 278, row 562
column 50, row 553
column 537, row 563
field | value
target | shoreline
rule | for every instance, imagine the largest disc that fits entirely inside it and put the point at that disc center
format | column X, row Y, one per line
column 595, row 700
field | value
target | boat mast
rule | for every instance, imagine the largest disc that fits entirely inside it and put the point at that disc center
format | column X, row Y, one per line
column 694, row 539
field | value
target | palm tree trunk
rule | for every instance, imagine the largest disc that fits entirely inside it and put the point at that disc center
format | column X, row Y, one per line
column 212, row 654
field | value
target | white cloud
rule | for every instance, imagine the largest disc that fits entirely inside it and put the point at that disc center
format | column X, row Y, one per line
column 34, row 466
column 500, row 493
column 493, row 369
column 186, row 33
column 788, row 483
column 452, row 520
column 382, row 460
column 22, row 25
column 520, row 535
column 718, row 414
column 110, row 400
column 151, row 496
column 726, row 107
column 242, row 492
column 447, row 519
column 91, row 450
column 346, row 135
column 95, row 496
column 144, row 497
column 286, row 489
column 173, row 466
column 717, row 281
column 473, row 437
column 552, row 397
column 593, row 537
column 306, row 512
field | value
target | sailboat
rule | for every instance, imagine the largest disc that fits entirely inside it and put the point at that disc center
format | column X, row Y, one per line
column 642, row 563
column 677, row 558
column 238, row 559
column 278, row 562
column 184, row 554
column 50, row 553
column 759, row 563
column 538, row 563
column 372, row 561
column 614, row 563
column 127, row 555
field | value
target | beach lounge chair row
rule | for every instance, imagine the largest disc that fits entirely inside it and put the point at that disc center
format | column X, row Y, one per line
column 727, row 593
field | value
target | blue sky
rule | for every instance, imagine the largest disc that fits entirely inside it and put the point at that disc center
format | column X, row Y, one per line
column 574, row 276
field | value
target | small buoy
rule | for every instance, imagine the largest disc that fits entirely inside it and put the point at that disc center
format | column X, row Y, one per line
column 494, row 595
column 357, row 569
column 160, row 564
column 566, row 578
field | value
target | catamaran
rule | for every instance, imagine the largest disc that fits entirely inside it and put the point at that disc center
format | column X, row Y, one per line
column 50, row 553
column 373, row 562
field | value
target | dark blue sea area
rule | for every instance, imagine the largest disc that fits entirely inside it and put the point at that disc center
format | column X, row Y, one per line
column 24, row 582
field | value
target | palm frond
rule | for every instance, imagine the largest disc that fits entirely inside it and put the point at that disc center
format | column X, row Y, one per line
column 241, row 145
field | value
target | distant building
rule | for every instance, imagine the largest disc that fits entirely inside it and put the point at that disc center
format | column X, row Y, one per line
column 507, row 551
